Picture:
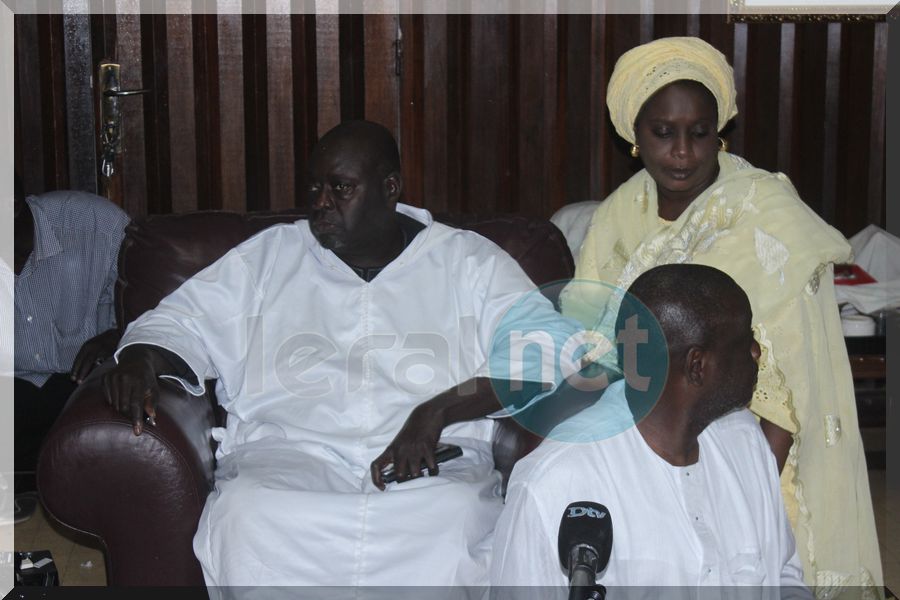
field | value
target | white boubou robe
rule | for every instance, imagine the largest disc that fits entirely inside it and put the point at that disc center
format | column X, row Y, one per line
column 719, row 522
column 318, row 370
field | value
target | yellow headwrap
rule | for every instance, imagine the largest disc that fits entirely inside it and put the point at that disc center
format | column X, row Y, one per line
column 641, row 71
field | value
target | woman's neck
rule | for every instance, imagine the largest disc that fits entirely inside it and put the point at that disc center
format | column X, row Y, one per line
column 672, row 203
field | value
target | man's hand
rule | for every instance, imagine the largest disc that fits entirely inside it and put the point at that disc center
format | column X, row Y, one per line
column 413, row 446
column 780, row 440
column 415, row 443
column 131, row 387
column 93, row 352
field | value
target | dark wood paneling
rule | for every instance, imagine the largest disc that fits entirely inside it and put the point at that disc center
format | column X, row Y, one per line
column 854, row 129
column 79, row 102
column 760, row 105
column 458, row 142
column 53, row 102
column 382, row 82
column 230, row 97
column 414, row 110
column 30, row 91
column 206, row 110
column 280, row 106
column 256, row 111
column 328, row 71
column 875, row 209
column 832, row 97
column 433, row 111
column 492, row 112
column 487, row 152
column 579, row 70
column 182, row 122
column 351, row 37
column 156, row 113
column 599, row 125
column 810, row 76
column 133, row 170
column 305, row 100
column 786, row 116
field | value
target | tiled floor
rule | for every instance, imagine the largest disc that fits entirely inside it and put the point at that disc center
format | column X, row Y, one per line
column 75, row 564
column 72, row 559
column 886, row 504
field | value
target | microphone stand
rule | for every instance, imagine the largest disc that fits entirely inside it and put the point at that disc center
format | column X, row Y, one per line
column 583, row 574
column 590, row 592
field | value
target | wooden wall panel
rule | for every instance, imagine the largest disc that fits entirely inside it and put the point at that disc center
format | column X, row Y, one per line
column 182, row 122
column 493, row 113
column 280, row 106
column 206, row 110
column 157, row 127
column 487, row 153
column 328, row 72
column 254, row 80
column 30, row 89
column 855, row 114
column 810, row 76
column 133, row 169
column 418, row 112
column 304, row 98
column 231, row 98
column 875, row 209
column 382, row 81
column 79, row 103
column 760, row 105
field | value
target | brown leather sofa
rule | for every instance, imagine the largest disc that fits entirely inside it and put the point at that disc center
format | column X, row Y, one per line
column 142, row 496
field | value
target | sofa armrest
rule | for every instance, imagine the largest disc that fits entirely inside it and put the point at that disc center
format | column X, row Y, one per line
column 511, row 442
column 140, row 495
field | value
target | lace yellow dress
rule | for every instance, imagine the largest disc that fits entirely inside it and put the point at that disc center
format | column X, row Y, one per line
column 751, row 224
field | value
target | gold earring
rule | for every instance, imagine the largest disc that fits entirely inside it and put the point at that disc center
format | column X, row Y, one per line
column 723, row 145
column 635, row 151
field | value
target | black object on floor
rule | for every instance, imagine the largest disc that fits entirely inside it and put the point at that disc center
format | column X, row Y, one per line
column 35, row 569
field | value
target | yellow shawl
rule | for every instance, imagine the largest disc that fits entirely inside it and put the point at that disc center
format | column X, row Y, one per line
column 752, row 225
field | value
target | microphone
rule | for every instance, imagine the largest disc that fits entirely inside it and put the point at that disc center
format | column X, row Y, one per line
column 585, row 542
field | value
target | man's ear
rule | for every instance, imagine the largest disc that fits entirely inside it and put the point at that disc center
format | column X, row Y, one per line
column 393, row 186
column 696, row 365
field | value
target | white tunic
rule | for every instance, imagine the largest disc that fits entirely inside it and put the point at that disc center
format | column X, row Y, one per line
column 318, row 370
column 718, row 522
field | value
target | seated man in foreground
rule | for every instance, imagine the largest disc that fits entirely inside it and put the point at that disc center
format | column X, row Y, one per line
column 692, row 488
column 341, row 344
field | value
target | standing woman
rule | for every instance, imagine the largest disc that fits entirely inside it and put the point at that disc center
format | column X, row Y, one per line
column 694, row 202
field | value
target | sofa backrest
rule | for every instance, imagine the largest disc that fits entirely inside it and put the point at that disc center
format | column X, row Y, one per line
column 160, row 252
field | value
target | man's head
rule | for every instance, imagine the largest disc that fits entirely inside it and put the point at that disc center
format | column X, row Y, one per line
column 353, row 184
column 707, row 322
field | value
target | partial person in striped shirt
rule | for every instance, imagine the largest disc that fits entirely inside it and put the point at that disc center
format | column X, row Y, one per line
column 66, row 252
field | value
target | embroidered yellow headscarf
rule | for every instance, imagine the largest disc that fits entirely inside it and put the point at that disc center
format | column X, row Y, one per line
column 643, row 70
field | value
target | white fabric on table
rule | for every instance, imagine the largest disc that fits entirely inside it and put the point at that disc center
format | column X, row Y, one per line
column 878, row 253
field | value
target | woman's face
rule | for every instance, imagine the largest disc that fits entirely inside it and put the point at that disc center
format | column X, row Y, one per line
column 676, row 133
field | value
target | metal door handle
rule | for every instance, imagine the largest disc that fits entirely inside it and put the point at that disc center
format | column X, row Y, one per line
column 111, row 115
column 117, row 93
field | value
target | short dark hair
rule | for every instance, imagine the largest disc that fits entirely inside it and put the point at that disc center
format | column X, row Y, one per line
column 691, row 302
column 374, row 138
